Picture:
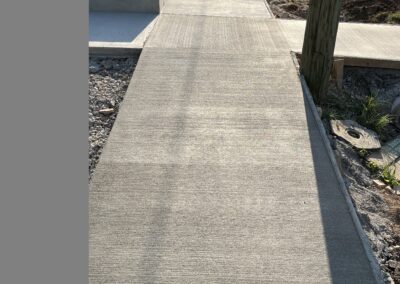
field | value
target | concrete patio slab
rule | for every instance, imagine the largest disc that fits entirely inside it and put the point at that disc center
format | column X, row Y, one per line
column 369, row 41
column 111, row 32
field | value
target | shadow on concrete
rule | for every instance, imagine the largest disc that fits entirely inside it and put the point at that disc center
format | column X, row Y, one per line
column 118, row 27
column 150, row 262
column 348, row 262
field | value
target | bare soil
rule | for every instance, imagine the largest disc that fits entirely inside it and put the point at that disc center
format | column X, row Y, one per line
column 366, row 11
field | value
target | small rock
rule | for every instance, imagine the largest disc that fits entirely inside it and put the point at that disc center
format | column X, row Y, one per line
column 319, row 110
column 389, row 189
column 106, row 111
column 108, row 64
column 94, row 68
column 379, row 184
column 392, row 264
column 389, row 280
column 116, row 66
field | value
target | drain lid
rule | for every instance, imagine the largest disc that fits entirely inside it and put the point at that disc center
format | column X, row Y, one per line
column 355, row 134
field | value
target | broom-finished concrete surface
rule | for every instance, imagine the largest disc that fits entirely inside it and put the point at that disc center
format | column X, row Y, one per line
column 215, row 170
column 224, row 8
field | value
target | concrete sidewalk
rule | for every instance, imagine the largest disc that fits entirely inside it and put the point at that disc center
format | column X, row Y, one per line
column 215, row 171
column 357, row 40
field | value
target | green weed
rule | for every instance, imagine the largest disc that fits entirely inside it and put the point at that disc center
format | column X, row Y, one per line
column 362, row 153
column 371, row 116
column 394, row 18
column 373, row 168
column 388, row 176
column 387, row 17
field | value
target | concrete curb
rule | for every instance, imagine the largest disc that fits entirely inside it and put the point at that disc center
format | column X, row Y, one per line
column 364, row 239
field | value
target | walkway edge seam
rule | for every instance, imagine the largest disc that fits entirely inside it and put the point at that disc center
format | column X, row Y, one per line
column 364, row 239
column 269, row 9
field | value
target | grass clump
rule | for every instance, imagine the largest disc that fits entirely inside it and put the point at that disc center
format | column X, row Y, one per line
column 371, row 116
column 388, row 176
column 373, row 168
column 367, row 112
column 394, row 18
column 363, row 153
column 387, row 17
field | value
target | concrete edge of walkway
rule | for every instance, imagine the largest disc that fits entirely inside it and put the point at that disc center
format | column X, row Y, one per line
column 368, row 62
column 363, row 237
column 111, row 50
column 269, row 9
column 353, row 23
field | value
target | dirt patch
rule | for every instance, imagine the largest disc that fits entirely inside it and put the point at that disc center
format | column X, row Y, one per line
column 366, row 11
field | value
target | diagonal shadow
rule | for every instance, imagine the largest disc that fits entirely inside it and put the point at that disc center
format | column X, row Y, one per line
column 348, row 261
column 151, row 260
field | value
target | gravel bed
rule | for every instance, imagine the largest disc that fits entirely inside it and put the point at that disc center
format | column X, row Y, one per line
column 378, row 209
column 365, row 11
column 109, row 78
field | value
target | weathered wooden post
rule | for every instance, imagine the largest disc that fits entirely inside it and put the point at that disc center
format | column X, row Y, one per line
column 319, row 45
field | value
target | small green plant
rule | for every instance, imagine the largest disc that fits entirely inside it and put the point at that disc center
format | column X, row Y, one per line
column 382, row 122
column 371, row 117
column 381, row 17
column 388, row 176
column 373, row 168
column 332, row 115
column 387, row 17
column 338, row 107
column 394, row 18
column 362, row 153
column 368, row 112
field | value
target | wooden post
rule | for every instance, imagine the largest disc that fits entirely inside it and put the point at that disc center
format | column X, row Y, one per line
column 338, row 65
column 319, row 45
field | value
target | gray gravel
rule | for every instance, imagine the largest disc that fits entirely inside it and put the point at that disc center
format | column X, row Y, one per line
column 384, row 83
column 108, row 81
column 371, row 202
column 372, row 210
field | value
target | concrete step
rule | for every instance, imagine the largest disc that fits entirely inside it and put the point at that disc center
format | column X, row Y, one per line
column 139, row 6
